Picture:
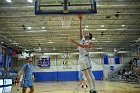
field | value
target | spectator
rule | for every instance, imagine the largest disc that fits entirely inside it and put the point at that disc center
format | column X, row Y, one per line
column 137, row 68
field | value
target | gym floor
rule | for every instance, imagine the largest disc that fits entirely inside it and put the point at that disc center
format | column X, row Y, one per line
column 70, row 87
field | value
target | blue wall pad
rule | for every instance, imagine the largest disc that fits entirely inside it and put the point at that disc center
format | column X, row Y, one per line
column 63, row 76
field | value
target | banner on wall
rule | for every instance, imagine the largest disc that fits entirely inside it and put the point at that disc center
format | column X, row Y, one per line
column 9, row 58
column 1, row 60
column 11, row 74
column 44, row 62
column 4, row 47
column 1, row 57
column 8, row 61
column 14, row 54
column 10, row 50
column 105, row 59
column 116, row 59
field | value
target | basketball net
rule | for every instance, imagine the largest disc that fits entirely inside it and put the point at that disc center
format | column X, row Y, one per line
column 66, row 21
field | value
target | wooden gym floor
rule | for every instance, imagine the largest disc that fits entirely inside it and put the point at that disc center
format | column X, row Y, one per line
column 69, row 87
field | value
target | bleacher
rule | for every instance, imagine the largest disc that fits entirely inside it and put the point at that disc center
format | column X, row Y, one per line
column 125, row 72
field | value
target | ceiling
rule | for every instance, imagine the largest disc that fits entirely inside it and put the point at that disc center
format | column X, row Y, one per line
column 116, row 25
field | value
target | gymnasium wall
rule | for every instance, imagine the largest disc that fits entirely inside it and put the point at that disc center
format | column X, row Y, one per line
column 64, row 72
column 59, row 71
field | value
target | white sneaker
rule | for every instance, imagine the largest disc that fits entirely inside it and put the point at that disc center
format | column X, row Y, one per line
column 85, row 86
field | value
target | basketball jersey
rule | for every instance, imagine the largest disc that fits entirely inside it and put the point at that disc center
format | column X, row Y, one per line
column 28, row 69
column 84, row 51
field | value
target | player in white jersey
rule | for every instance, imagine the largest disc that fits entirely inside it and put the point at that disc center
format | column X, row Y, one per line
column 84, row 59
column 82, row 79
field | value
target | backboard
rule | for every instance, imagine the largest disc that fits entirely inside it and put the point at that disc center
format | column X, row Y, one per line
column 43, row 7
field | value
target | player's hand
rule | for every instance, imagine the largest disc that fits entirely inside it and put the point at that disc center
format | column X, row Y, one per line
column 18, row 79
column 33, row 78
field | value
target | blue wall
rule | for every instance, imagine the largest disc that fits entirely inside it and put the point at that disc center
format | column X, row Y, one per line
column 63, row 76
column 105, row 59
column 117, row 59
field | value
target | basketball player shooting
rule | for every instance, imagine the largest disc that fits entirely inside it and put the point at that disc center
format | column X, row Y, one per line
column 84, row 59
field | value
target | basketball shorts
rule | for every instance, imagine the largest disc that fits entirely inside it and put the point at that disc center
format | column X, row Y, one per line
column 27, row 83
column 84, row 62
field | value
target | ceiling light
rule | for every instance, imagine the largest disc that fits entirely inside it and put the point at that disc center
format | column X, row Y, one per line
column 54, row 48
column 14, row 43
column 39, row 49
column 93, row 38
column 9, row 1
column 86, row 26
column 43, row 27
column 86, row 29
column 63, row 34
column 123, row 25
column 30, row 1
column 42, row 30
column 102, row 25
column 50, row 42
column 106, row 41
column 38, row 31
column 101, row 29
column 29, row 28
column 122, row 29
column 20, row 46
column 98, row 48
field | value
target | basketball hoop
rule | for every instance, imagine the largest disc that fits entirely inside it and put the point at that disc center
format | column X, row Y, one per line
column 66, row 21
column 80, row 16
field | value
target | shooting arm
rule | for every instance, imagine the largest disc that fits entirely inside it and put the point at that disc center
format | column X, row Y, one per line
column 80, row 45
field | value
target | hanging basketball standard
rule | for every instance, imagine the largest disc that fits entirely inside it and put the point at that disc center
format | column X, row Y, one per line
column 43, row 7
column 65, row 8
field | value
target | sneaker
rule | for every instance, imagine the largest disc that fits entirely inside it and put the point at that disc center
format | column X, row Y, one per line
column 82, row 86
column 85, row 86
column 93, row 91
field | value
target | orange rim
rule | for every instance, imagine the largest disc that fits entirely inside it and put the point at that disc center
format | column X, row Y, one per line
column 80, row 16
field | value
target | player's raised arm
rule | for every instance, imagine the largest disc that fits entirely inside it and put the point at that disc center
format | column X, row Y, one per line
column 80, row 18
